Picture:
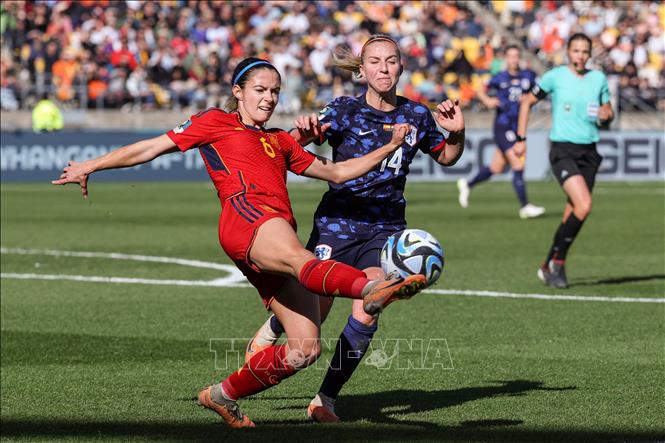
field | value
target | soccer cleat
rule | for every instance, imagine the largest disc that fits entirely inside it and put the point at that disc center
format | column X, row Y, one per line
column 558, row 274
column 464, row 191
column 544, row 274
column 322, row 410
column 553, row 274
column 228, row 410
column 262, row 339
column 531, row 211
column 379, row 294
column 321, row 414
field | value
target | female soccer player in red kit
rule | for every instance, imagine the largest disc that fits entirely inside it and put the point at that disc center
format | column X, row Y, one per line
column 248, row 165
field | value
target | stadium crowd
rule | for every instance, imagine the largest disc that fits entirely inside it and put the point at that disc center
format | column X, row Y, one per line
column 179, row 53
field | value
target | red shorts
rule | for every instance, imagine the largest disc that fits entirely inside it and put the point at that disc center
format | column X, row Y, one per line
column 241, row 217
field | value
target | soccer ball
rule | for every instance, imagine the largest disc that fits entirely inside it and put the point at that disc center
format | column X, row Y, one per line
column 413, row 251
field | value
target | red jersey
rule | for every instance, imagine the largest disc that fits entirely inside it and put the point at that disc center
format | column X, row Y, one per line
column 240, row 159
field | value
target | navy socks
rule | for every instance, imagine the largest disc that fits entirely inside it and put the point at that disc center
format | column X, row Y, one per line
column 351, row 347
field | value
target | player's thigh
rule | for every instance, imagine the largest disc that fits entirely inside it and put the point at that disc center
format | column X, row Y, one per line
column 298, row 311
column 277, row 248
column 578, row 193
column 498, row 163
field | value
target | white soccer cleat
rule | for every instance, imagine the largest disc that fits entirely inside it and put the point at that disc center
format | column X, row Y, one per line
column 531, row 211
column 464, row 191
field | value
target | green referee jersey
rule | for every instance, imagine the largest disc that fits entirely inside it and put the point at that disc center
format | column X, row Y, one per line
column 575, row 103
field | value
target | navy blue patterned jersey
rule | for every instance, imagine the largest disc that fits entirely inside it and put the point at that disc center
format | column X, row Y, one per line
column 374, row 201
column 509, row 89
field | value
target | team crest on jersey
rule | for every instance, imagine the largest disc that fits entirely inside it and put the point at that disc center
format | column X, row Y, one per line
column 412, row 137
column 274, row 140
column 526, row 83
column 180, row 129
column 323, row 252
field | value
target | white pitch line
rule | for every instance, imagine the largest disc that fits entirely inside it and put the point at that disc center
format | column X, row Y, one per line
column 118, row 256
column 235, row 276
column 224, row 283
column 544, row 296
column 236, row 279
column 220, row 282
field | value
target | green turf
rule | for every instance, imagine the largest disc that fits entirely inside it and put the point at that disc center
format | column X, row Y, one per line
column 96, row 361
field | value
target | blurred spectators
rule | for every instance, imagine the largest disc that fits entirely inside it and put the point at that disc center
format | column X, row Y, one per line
column 180, row 53
column 627, row 36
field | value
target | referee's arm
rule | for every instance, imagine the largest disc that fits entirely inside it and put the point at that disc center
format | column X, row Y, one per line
column 527, row 101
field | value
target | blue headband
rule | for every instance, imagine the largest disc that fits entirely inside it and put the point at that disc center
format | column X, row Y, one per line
column 249, row 66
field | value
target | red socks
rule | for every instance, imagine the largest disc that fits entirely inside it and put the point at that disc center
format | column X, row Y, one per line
column 265, row 369
column 332, row 278
column 269, row 367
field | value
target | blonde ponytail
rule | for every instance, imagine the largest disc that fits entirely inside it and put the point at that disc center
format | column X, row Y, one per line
column 344, row 58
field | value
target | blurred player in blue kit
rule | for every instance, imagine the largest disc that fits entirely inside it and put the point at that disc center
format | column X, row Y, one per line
column 354, row 219
column 509, row 85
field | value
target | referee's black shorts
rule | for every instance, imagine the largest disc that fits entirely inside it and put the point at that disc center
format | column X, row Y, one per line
column 569, row 159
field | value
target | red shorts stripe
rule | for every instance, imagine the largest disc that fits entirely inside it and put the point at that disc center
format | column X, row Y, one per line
column 249, row 217
column 249, row 209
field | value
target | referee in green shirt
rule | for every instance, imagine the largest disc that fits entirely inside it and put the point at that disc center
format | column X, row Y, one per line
column 580, row 104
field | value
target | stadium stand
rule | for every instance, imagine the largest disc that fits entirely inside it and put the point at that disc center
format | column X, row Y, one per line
column 135, row 55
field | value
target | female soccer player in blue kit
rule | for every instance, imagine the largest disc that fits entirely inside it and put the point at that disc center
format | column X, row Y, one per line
column 509, row 86
column 354, row 219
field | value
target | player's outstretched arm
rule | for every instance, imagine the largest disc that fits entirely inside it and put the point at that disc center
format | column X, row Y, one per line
column 527, row 101
column 308, row 128
column 490, row 102
column 131, row 155
column 325, row 169
column 449, row 116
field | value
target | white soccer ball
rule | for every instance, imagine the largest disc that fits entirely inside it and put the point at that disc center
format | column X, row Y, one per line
column 413, row 251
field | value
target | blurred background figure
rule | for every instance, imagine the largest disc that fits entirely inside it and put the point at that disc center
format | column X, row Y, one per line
column 508, row 87
column 46, row 116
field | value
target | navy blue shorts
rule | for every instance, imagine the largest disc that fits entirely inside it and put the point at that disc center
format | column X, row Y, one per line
column 360, row 253
column 505, row 137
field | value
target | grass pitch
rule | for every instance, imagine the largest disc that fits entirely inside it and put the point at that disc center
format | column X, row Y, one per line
column 102, row 361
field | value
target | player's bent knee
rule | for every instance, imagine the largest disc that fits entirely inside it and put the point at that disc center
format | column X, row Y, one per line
column 495, row 169
column 304, row 355
column 295, row 258
column 583, row 209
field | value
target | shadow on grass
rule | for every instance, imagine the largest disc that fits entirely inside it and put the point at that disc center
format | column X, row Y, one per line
column 618, row 280
column 390, row 407
column 378, row 411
